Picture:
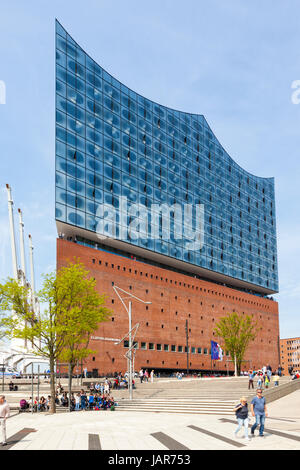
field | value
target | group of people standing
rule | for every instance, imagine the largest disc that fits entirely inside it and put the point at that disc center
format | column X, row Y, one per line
column 264, row 377
column 144, row 375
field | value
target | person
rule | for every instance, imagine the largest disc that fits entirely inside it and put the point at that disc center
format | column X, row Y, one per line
column 152, row 375
column 106, row 386
column 259, row 411
column 64, row 400
column 267, row 381
column 83, row 400
column 48, row 402
column 91, row 401
column 141, row 374
column 251, row 377
column 77, row 401
column 241, row 412
column 276, row 380
column 42, row 404
column 116, row 383
column 4, row 414
column 279, row 370
column 72, row 402
column 112, row 404
column 259, row 380
column 35, row 404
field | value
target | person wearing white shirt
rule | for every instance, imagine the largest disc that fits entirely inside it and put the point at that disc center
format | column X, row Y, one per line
column 4, row 414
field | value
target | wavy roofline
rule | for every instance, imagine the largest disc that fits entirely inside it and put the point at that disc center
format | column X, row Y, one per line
column 270, row 179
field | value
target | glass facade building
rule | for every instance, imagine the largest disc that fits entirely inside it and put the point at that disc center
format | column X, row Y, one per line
column 112, row 142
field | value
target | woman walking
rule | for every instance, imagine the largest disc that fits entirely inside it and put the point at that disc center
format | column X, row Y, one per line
column 241, row 412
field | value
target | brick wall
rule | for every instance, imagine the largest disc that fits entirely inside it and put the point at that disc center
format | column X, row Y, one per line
column 175, row 298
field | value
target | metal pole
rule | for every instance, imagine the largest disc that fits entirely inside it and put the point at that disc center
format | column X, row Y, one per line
column 32, row 402
column 130, row 353
column 70, row 378
column 31, row 266
column 3, row 366
column 22, row 249
column 38, row 386
column 22, row 253
column 12, row 232
column 35, row 305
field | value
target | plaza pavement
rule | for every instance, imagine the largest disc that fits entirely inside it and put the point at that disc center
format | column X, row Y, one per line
column 107, row 430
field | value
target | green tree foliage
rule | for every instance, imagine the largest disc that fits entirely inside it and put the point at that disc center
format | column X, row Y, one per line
column 71, row 311
column 236, row 332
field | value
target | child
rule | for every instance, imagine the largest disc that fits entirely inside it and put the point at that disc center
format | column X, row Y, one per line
column 276, row 380
column 267, row 382
column 259, row 381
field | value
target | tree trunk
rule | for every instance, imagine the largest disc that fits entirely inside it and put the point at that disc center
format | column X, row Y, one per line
column 52, row 386
column 70, row 383
column 235, row 366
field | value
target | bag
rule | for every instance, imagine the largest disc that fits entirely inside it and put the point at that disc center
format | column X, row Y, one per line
column 112, row 407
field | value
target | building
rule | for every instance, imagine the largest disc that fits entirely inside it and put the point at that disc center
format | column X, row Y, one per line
column 156, row 205
column 290, row 355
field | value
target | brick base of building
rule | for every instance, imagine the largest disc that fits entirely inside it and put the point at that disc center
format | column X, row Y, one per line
column 177, row 300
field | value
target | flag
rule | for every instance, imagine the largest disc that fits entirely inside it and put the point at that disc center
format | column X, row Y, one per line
column 216, row 351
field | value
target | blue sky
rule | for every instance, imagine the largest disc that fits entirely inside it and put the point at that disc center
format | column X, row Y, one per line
column 232, row 61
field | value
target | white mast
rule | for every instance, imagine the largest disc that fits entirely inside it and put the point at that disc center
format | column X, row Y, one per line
column 12, row 233
column 35, row 301
column 22, row 249
column 31, row 270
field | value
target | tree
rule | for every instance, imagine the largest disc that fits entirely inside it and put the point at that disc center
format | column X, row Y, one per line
column 82, row 314
column 237, row 331
column 70, row 300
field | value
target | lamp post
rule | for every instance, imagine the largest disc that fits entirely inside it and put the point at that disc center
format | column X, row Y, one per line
column 130, row 345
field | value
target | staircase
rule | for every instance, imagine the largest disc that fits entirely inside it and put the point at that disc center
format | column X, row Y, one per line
column 191, row 396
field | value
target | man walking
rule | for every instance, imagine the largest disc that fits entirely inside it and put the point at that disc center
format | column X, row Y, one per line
column 259, row 410
column 4, row 413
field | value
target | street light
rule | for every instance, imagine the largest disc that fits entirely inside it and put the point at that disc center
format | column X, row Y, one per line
column 130, row 345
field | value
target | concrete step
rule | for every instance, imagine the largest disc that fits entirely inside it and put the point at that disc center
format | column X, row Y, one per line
column 178, row 402
column 205, row 411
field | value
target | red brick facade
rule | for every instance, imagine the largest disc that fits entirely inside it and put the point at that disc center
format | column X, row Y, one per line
column 175, row 298
column 290, row 354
